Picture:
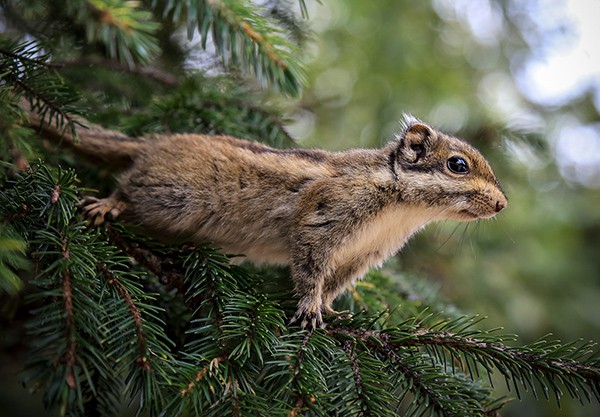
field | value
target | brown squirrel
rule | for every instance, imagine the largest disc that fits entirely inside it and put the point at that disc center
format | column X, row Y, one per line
column 329, row 215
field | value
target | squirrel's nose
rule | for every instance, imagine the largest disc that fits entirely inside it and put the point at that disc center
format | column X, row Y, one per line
column 500, row 205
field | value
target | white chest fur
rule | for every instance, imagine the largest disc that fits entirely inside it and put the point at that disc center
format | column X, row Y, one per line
column 381, row 237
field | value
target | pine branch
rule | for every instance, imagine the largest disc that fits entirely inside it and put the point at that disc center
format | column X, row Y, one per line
column 546, row 363
column 358, row 378
column 26, row 68
column 149, row 72
column 201, row 373
column 243, row 36
column 160, row 266
column 300, row 400
column 298, row 372
column 433, row 389
column 83, row 330
column 15, row 149
column 67, row 289
column 250, row 324
column 124, row 28
column 142, row 359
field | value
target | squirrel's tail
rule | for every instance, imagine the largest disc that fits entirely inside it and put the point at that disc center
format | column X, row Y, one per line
column 101, row 146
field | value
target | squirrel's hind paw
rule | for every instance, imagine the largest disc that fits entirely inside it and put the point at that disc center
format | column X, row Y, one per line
column 344, row 314
column 97, row 211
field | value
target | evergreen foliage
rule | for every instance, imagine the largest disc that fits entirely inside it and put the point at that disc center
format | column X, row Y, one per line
column 117, row 319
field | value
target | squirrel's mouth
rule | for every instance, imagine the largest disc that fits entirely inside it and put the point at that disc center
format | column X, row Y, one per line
column 469, row 215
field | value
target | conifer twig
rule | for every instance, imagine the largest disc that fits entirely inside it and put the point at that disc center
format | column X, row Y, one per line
column 158, row 265
column 69, row 356
column 201, row 373
column 518, row 362
column 243, row 36
column 149, row 72
column 143, row 359
column 125, row 28
column 351, row 353
column 28, row 71
column 300, row 400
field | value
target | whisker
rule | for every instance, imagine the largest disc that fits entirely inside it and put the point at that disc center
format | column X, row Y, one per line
column 473, row 251
column 505, row 230
column 449, row 237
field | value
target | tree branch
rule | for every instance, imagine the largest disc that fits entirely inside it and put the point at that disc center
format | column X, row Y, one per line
column 159, row 266
column 201, row 373
column 69, row 355
column 142, row 360
column 300, row 402
column 509, row 360
column 351, row 353
column 152, row 73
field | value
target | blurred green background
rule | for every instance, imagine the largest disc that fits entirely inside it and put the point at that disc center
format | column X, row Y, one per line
column 520, row 80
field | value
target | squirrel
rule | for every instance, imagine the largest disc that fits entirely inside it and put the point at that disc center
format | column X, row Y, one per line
column 330, row 216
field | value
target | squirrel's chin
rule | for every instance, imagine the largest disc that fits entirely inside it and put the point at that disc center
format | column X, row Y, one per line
column 469, row 215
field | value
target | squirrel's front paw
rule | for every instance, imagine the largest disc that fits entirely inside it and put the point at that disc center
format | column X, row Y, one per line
column 308, row 315
column 308, row 320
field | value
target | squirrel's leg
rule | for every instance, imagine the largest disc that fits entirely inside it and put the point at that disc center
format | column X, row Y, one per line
column 338, row 282
column 318, row 285
column 317, row 241
column 308, row 315
column 330, row 294
column 96, row 210
column 308, row 274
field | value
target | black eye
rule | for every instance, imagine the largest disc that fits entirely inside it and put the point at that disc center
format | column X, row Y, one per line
column 458, row 165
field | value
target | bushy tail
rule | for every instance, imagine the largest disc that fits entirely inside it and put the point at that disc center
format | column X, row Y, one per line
column 102, row 146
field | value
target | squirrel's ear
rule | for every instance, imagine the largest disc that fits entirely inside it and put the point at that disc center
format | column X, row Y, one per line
column 415, row 142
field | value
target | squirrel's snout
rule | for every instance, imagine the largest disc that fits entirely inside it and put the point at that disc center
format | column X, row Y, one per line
column 500, row 205
column 501, row 202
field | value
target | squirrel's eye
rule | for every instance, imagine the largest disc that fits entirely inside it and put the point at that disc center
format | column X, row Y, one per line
column 458, row 165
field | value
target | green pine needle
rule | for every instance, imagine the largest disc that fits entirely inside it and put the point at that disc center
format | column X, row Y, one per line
column 244, row 37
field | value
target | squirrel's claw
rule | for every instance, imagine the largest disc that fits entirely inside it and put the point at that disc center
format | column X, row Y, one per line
column 97, row 211
column 308, row 320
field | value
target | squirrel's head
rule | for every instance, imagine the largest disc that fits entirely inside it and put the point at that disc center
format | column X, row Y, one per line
column 445, row 172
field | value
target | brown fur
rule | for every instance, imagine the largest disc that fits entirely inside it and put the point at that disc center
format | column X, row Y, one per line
column 330, row 216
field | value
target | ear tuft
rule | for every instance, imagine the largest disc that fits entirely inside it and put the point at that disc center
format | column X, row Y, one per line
column 407, row 121
column 415, row 140
column 411, row 124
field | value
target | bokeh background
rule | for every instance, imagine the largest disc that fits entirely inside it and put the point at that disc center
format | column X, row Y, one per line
column 520, row 79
